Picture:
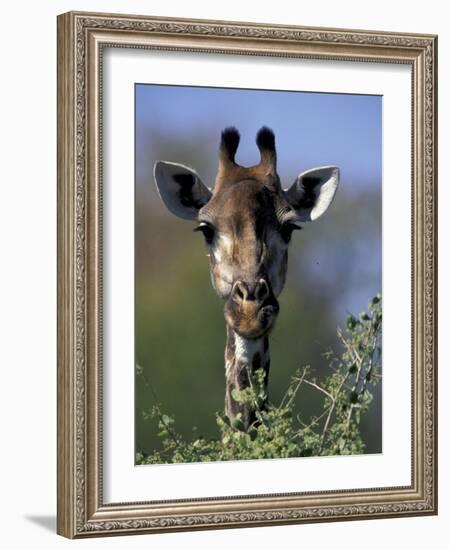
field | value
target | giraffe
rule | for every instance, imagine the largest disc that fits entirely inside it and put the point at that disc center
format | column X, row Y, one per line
column 247, row 221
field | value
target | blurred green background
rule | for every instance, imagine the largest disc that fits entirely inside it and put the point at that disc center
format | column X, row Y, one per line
column 334, row 265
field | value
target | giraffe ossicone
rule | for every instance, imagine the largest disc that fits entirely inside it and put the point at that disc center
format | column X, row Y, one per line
column 247, row 220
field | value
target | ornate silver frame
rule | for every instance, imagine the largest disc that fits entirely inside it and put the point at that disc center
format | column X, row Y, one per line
column 81, row 38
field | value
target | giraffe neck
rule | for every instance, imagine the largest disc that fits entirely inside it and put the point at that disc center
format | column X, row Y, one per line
column 242, row 358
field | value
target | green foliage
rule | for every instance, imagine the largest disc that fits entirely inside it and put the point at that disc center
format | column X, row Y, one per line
column 345, row 394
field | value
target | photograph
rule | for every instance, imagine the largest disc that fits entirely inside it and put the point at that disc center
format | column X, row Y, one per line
column 258, row 274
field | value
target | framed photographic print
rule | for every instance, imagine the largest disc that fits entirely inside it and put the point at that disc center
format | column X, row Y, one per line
column 246, row 274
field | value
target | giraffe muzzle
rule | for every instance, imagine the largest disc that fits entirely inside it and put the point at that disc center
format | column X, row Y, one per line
column 251, row 308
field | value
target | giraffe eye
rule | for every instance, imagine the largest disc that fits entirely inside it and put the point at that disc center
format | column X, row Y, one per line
column 207, row 230
column 287, row 230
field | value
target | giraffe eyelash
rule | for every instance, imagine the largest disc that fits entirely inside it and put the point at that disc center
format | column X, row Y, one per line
column 207, row 230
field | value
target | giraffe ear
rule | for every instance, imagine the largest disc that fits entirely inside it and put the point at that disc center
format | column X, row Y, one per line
column 180, row 189
column 313, row 191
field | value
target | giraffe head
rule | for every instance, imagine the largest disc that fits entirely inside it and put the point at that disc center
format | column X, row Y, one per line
column 247, row 221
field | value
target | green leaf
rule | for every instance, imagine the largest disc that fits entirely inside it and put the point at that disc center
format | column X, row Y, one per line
column 351, row 322
column 353, row 397
column 167, row 420
column 353, row 368
column 252, row 433
column 236, row 422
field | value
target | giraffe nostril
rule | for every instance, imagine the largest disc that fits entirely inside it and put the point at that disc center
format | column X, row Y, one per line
column 240, row 291
column 262, row 291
